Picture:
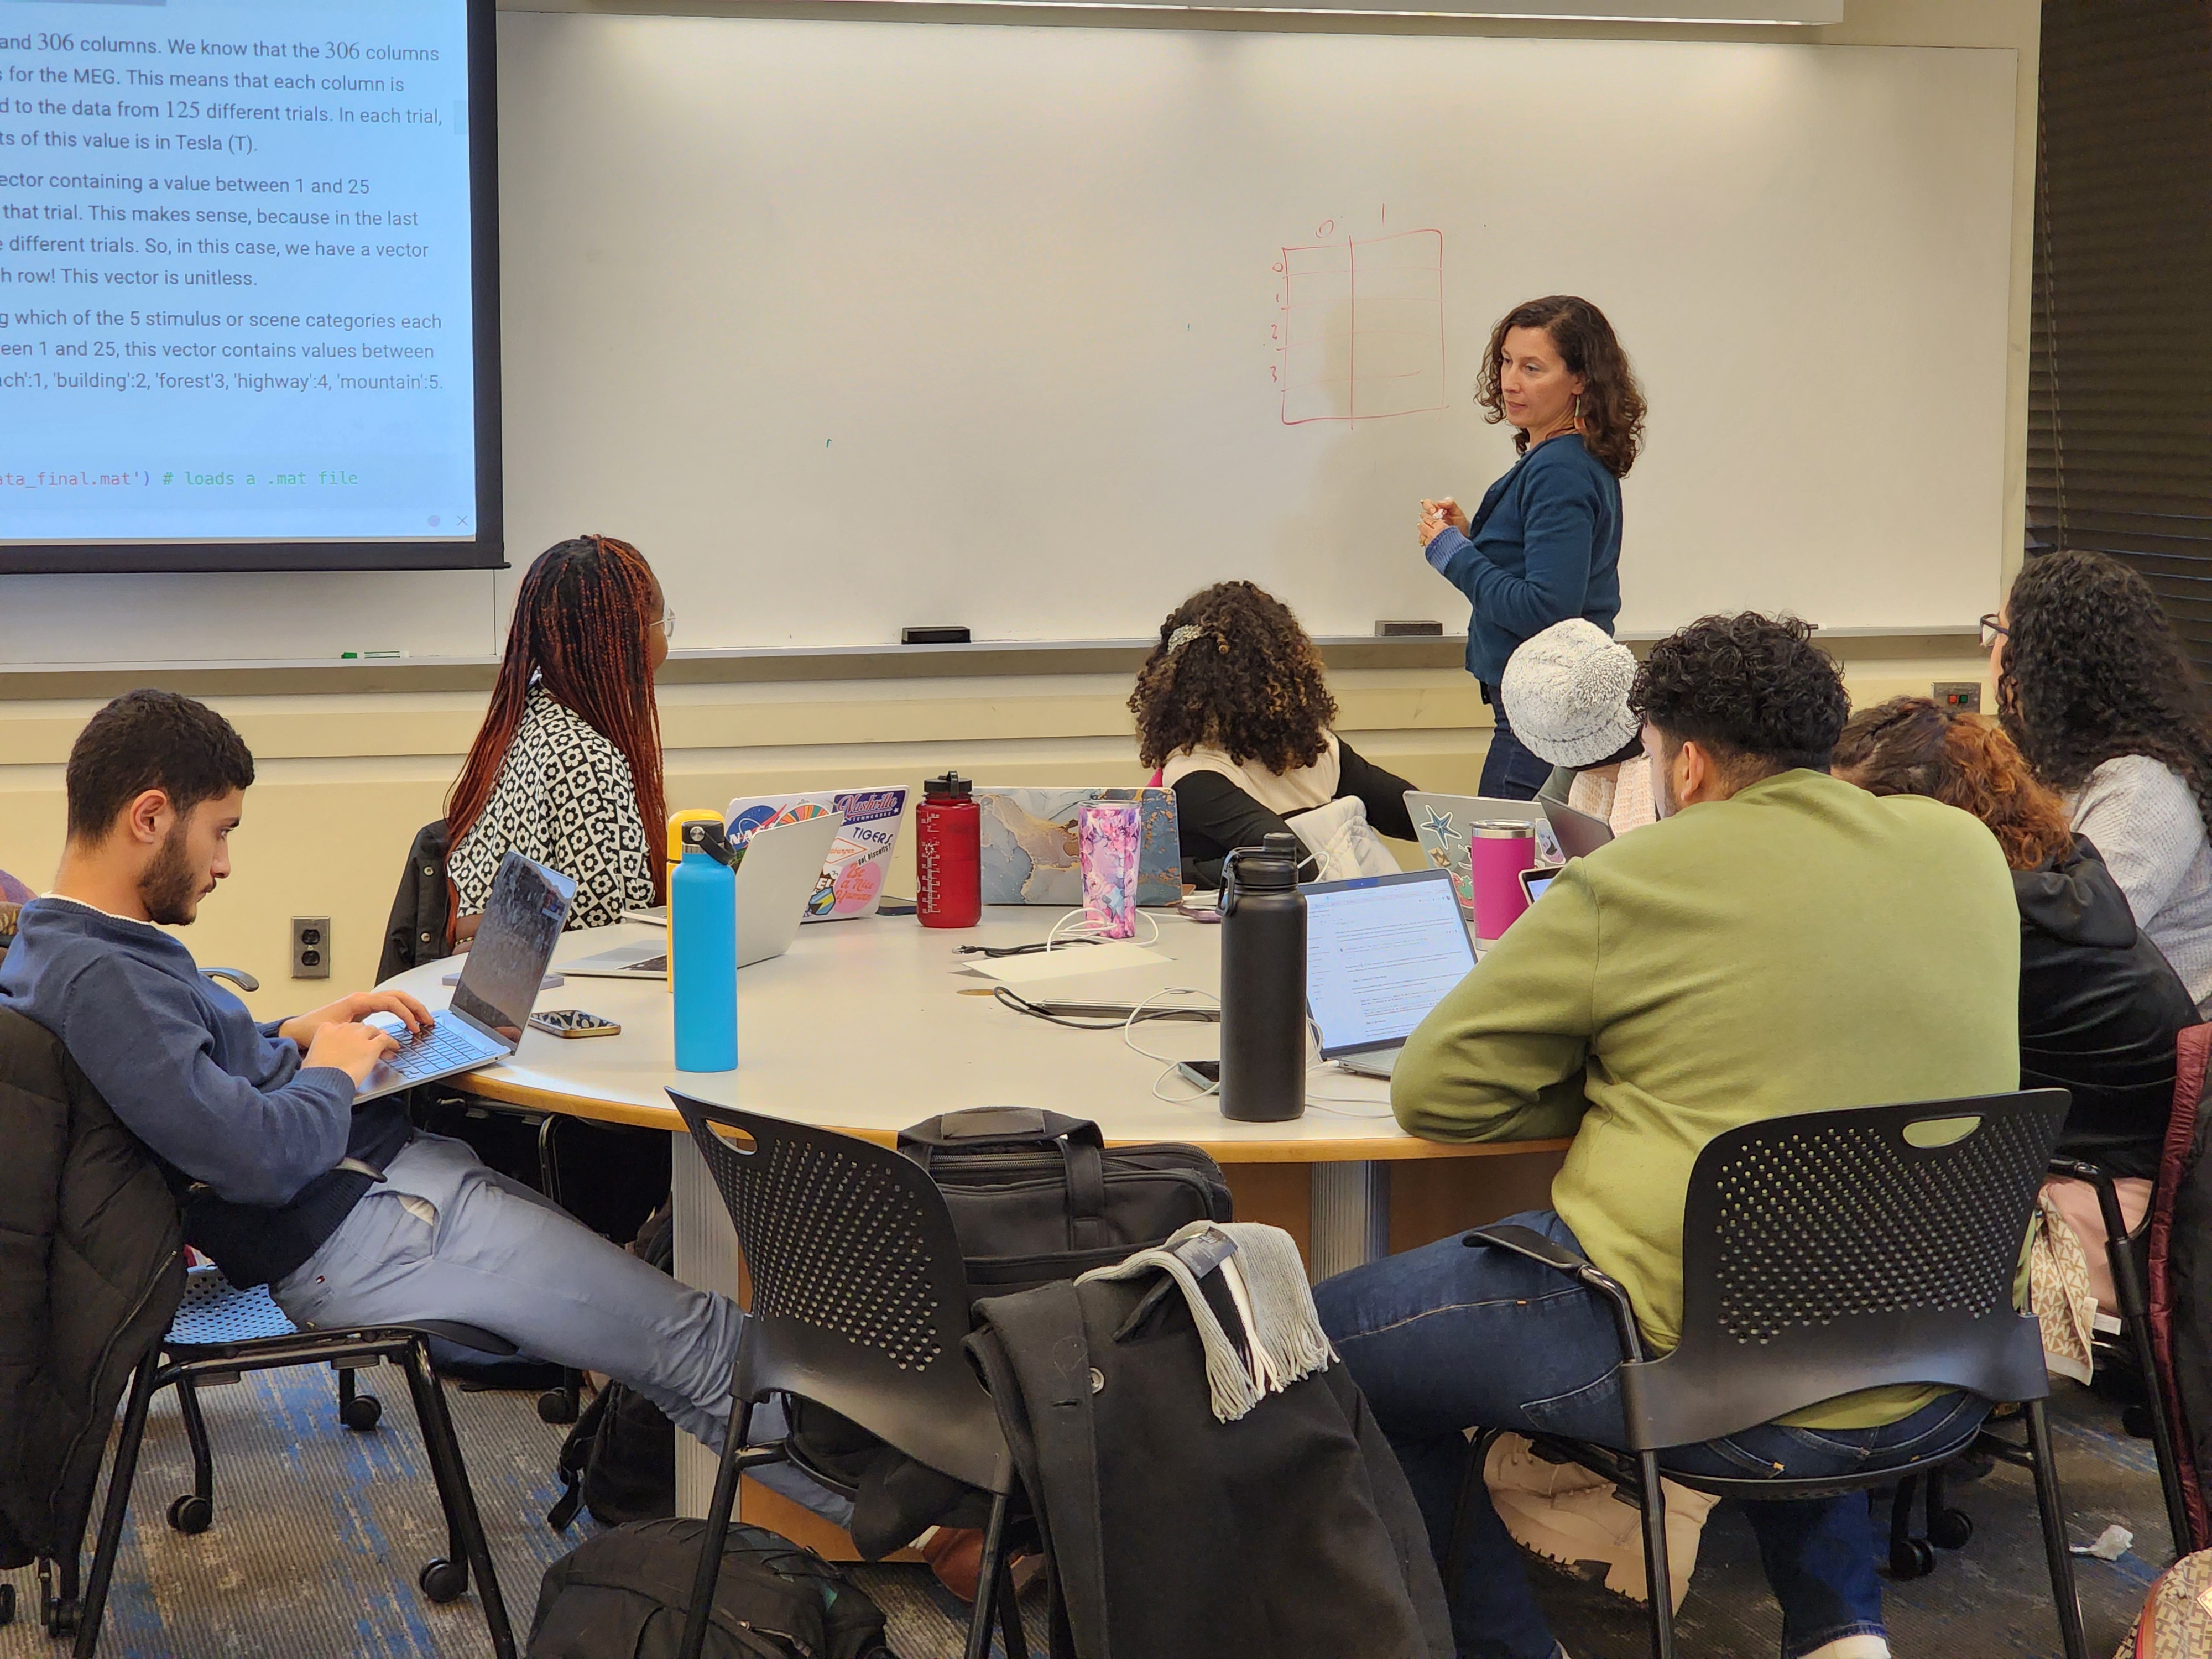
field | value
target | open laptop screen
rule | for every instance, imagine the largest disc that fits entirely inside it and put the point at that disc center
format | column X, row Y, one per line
column 499, row 975
column 1381, row 951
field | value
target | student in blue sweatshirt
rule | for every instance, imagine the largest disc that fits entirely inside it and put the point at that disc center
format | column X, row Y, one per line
column 348, row 1214
column 1544, row 544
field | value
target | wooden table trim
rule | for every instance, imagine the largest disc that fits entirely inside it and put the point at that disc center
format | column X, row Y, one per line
column 1362, row 1149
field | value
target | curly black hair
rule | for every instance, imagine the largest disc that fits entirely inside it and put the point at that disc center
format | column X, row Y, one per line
column 1754, row 690
column 1246, row 680
column 2092, row 671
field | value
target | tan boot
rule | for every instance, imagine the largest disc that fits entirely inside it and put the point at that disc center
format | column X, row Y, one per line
column 1566, row 1513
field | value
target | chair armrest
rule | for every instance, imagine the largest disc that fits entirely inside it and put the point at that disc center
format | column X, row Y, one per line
column 237, row 977
column 2075, row 1169
column 2108, row 1199
column 1529, row 1242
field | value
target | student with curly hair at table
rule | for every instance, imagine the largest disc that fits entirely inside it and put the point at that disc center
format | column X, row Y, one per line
column 1779, row 942
column 1233, row 708
column 2092, row 685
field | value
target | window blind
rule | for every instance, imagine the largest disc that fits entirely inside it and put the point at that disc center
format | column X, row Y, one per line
column 2119, row 443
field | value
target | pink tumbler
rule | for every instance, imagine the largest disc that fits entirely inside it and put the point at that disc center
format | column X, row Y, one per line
column 1498, row 850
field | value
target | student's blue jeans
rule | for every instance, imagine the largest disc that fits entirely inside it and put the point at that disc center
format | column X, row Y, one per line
column 1509, row 770
column 1446, row 1338
column 442, row 1237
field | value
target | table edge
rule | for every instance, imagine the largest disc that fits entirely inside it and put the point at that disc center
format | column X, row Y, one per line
column 1355, row 1149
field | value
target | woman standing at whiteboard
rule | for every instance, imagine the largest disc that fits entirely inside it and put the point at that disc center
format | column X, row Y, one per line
column 1544, row 544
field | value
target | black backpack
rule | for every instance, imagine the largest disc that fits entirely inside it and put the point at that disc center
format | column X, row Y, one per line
column 624, row 1595
column 1036, row 1197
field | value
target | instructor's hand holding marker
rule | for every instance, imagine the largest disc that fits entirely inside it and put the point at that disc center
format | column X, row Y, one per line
column 1439, row 515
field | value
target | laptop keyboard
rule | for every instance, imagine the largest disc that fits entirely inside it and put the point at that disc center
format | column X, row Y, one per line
column 449, row 1044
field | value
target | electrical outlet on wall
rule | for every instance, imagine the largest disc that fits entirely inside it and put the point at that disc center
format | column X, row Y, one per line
column 1965, row 696
column 311, row 947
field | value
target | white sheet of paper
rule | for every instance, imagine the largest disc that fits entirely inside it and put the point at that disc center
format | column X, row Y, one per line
column 1064, row 964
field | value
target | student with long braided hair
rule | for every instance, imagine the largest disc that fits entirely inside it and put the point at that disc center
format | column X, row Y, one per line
column 566, row 767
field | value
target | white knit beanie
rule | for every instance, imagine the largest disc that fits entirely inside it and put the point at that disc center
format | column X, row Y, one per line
column 1566, row 694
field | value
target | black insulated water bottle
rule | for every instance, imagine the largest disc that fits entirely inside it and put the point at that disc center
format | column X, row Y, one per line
column 1263, row 983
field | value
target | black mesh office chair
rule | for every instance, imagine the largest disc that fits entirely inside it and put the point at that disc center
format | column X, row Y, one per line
column 219, row 1334
column 860, row 1303
column 1822, row 1255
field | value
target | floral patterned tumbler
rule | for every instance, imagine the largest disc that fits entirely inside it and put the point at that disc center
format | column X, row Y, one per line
column 1111, row 832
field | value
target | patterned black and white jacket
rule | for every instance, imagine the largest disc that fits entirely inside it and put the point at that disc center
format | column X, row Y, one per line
column 565, row 797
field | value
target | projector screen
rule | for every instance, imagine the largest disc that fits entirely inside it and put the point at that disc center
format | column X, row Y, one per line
column 248, row 285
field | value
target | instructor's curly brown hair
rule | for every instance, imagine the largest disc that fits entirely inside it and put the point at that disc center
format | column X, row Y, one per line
column 1610, row 407
column 1249, row 682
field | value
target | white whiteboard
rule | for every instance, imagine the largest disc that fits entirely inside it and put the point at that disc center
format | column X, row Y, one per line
column 856, row 325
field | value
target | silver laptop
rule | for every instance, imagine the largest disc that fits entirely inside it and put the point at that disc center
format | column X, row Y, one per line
column 1579, row 834
column 498, row 986
column 1381, row 951
column 1440, row 824
column 776, row 876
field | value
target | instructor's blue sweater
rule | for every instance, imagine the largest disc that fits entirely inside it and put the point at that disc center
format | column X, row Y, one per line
column 1545, row 546
column 219, row 1099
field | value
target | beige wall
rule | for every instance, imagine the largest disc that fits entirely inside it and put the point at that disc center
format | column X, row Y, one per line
column 346, row 779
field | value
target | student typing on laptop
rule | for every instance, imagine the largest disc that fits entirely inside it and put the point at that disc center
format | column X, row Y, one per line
column 351, row 1216
column 1778, row 943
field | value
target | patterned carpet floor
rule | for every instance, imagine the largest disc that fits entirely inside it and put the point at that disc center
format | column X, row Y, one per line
column 319, row 1532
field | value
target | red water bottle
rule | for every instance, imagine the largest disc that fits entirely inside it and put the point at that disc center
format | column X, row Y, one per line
column 948, row 829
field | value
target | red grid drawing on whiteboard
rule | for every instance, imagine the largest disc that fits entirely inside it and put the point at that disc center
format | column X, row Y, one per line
column 1361, row 336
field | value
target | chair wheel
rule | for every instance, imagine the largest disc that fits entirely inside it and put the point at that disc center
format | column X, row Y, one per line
column 556, row 1405
column 2135, row 1419
column 191, row 1514
column 1911, row 1557
column 1950, row 1529
column 61, row 1618
column 362, row 1412
column 7, row 1604
column 442, row 1580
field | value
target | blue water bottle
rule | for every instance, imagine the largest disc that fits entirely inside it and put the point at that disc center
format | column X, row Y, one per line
column 703, row 950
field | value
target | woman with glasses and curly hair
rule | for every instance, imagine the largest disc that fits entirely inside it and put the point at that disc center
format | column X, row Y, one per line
column 1232, row 707
column 1544, row 544
column 2093, row 686
column 566, row 767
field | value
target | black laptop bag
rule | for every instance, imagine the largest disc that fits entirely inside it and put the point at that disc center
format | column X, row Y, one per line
column 1037, row 1197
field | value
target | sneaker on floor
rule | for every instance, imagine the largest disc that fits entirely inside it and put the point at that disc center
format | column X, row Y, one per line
column 1567, row 1514
column 1852, row 1647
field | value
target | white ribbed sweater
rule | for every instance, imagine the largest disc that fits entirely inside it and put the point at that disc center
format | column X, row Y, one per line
column 2145, row 823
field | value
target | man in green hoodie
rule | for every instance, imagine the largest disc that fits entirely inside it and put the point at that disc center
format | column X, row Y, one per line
column 1780, row 942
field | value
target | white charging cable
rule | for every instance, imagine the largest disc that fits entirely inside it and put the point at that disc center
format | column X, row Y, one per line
column 1082, row 925
column 1323, row 1102
column 1171, row 1064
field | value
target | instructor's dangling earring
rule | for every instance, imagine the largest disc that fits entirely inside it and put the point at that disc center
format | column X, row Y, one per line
column 1578, row 409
